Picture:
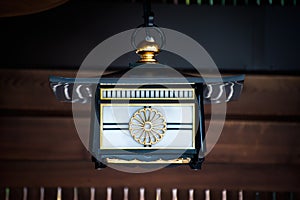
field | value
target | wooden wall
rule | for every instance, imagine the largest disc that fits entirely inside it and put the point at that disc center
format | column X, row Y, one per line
column 258, row 151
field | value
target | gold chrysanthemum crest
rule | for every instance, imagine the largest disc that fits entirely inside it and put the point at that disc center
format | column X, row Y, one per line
column 147, row 126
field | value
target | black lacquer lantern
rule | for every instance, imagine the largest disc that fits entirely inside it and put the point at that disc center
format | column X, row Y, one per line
column 159, row 118
column 150, row 115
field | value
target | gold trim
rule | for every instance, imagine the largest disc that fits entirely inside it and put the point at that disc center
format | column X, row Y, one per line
column 147, row 126
column 194, row 125
column 147, row 50
column 142, row 105
column 148, row 98
column 160, row 161
column 101, row 126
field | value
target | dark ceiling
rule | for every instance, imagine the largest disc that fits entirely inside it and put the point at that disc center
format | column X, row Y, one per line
column 249, row 38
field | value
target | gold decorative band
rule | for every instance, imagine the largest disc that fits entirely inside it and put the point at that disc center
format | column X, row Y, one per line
column 147, row 93
column 159, row 161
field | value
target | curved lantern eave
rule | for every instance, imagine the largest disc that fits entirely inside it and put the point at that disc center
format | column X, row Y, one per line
column 63, row 87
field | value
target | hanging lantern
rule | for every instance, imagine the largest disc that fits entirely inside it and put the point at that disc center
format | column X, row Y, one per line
column 147, row 114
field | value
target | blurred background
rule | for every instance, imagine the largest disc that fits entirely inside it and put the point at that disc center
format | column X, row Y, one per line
column 258, row 151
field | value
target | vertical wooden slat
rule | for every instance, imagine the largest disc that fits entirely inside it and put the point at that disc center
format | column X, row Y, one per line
column 134, row 193
column 181, row 193
column 15, row 193
column 150, row 193
column 83, row 193
column 2, row 193
column 215, row 194
column 33, row 193
column 67, row 193
column 100, row 193
column 51, row 193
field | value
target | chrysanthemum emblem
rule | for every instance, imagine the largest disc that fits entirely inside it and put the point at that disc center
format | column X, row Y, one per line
column 147, row 126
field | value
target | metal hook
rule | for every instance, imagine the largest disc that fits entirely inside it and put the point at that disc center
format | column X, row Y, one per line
column 148, row 14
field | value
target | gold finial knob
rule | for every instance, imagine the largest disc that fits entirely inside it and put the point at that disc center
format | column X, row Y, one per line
column 147, row 50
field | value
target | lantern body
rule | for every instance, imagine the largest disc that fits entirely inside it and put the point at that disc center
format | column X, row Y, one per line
column 148, row 119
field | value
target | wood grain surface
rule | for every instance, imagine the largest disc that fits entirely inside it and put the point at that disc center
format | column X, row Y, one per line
column 258, row 150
